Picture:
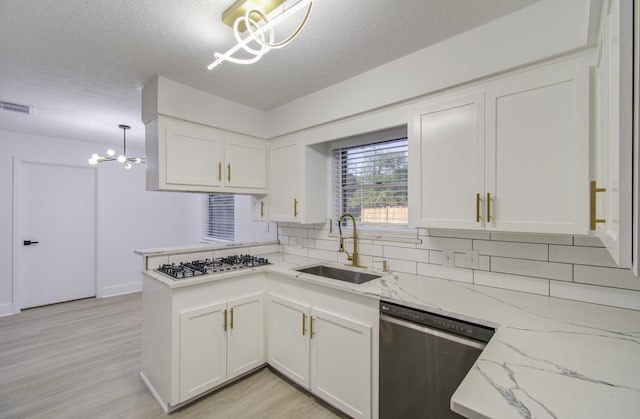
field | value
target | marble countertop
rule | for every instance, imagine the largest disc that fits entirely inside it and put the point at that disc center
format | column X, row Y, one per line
column 549, row 357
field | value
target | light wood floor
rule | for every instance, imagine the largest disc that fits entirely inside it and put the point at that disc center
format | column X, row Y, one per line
column 81, row 359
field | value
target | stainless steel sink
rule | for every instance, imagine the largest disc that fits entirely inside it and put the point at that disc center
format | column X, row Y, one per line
column 353, row 277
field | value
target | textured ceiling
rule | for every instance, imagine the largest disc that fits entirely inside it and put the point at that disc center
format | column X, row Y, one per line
column 82, row 63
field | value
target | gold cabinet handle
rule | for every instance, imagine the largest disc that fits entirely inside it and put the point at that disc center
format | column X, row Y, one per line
column 219, row 171
column 224, row 326
column 228, row 172
column 478, row 208
column 295, row 207
column 592, row 205
column 261, row 209
column 488, row 207
column 304, row 324
column 231, row 322
column 311, row 327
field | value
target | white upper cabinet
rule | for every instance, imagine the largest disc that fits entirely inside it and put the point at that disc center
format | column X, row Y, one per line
column 509, row 155
column 446, row 163
column 297, row 182
column 611, row 171
column 184, row 156
column 537, row 152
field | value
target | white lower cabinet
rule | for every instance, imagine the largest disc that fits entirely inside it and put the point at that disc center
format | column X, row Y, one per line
column 326, row 350
column 203, row 350
column 198, row 337
column 219, row 342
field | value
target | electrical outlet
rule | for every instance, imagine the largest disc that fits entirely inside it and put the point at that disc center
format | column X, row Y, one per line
column 295, row 241
column 447, row 258
column 469, row 259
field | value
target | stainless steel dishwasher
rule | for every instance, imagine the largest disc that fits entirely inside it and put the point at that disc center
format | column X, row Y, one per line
column 423, row 359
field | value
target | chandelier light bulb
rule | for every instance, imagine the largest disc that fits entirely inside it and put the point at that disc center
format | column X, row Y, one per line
column 111, row 154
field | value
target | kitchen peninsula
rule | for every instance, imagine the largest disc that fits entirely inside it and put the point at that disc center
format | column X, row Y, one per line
column 548, row 358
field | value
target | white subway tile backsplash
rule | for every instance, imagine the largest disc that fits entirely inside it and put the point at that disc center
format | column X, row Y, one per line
column 608, row 277
column 323, row 254
column 263, row 250
column 460, row 234
column 330, row 245
column 318, row 234
column 454, row 274
column 485, row 263
column 407, row 245
column 596, row 256
column 298, row 251
column 594, row 294
column 418, row 255
column 550, row 270
column 532, row 238
column 512, row 282
column 534, row 263
column 440, row 243
column 295, row 232
column 370, row 249
column 588, row 241
column 397, row 265
column 511, row 249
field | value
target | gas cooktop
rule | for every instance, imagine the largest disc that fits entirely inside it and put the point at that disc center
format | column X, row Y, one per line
column 211, row 266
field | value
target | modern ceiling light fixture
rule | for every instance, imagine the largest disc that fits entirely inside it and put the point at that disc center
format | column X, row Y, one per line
column 111, row 154
column 246, row 15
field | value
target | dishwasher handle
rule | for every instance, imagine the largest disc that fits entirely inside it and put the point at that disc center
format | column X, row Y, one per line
column 435, row 332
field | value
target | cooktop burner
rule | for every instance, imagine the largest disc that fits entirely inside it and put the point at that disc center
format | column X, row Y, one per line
column 209, row 266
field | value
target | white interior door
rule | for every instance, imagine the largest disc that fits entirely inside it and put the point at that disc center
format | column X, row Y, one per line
column 55, row 207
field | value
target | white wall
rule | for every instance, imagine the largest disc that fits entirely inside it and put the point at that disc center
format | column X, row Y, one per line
column 128, row 217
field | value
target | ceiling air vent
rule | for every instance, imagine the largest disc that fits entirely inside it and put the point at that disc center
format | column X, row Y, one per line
column 15, row 107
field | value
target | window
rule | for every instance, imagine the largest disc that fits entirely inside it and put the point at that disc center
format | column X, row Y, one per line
column 219, row 217
column 370, row 181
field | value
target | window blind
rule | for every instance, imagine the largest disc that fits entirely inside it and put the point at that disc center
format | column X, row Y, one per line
column 219, row 217
column 370, row 182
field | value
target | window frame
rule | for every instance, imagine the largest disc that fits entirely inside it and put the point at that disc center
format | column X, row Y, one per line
column 207, row 217
column 368, row 231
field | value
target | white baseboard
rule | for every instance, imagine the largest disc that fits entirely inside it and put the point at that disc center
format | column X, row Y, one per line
column 121, row 289
column 7, row 310
column 155, row 395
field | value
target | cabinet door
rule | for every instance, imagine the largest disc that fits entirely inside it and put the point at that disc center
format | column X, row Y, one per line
column 203, row 350
column 284, row 180
column 193, row 157
column 289, row 338
column 245, row 163
column 446, row 167
column 537, row 152
column 613, row 133
column 341, row 362
column 245, row 335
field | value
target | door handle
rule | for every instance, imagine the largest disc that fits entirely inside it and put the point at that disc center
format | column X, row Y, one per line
column 29, row 242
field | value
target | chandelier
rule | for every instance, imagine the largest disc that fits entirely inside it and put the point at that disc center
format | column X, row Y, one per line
column 260, row 38
column 111, row 155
